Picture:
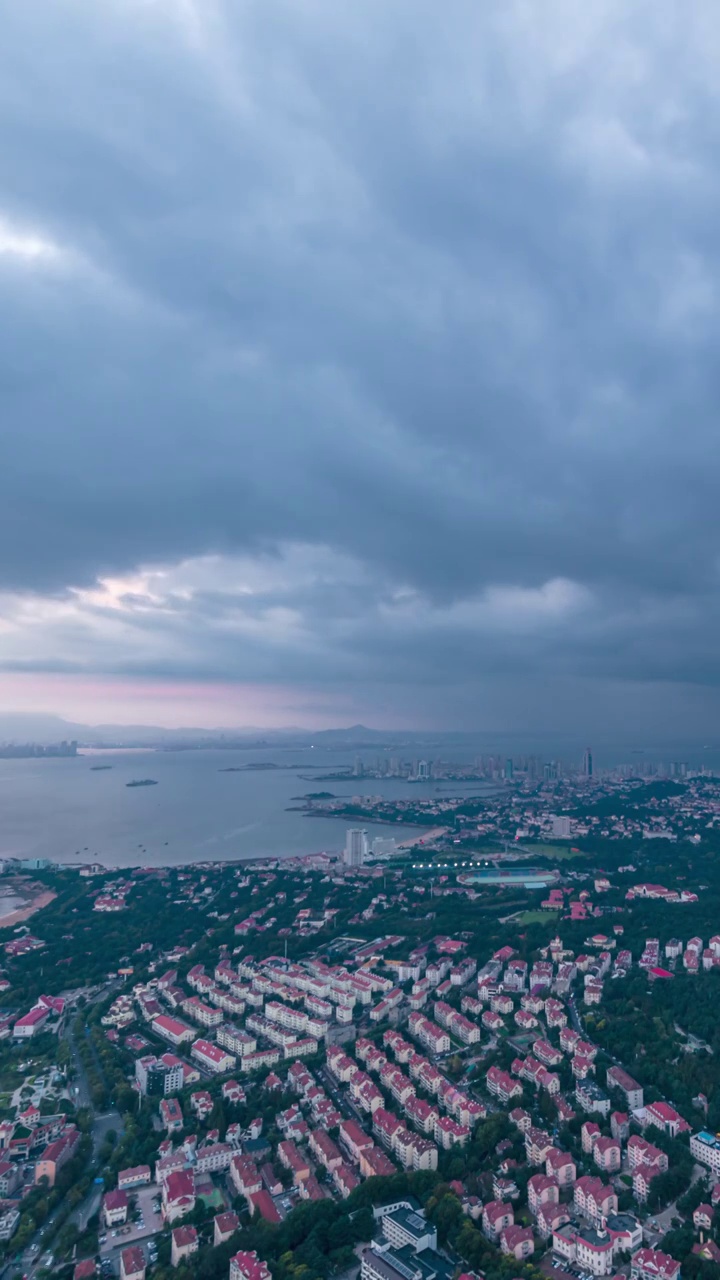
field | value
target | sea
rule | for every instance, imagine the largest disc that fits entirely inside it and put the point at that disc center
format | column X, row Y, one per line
column 70, row 811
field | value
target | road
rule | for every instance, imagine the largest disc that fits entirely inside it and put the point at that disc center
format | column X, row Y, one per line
column 343, row 1101
column 578, row 1026
column 574, row 1015
column 664, row 1219
column 102, row 1123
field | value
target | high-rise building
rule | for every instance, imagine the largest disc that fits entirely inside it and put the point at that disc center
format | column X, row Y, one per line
column 508, row 768
column 587, row 763
column 423, row 771
column 383, row 846
column 356, row 847
column 156, row 1078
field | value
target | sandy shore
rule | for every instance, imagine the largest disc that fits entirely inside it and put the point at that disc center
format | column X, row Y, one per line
column 426, row 835
column 23, row 913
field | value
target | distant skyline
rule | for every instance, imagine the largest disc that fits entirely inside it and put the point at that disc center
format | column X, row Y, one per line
column 358, row 363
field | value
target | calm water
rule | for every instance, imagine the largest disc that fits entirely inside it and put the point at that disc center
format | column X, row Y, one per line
column 9, row 904
column 63, row 810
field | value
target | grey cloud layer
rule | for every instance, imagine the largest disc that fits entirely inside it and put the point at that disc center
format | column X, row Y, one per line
column 436, row 290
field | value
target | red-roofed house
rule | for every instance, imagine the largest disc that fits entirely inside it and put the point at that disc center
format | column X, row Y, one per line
column 542, row 1189
column 518, row 1242
column 589, row 1134
column 31, row 1023
column 212, row 1057
column 261, row 1202
column 290, row 1157
column 354, row 1139
column 245, row 1176
column 132, row 1263
column 550, row 1218
column 171, row 1114
column 247, row 1266
column 594, row 1199
column 225, row 1225
column 666, row 1118
column 642, row 1152
column 708, row 1251
column 652, row 1264
column 375, row 1164
column 172, row 1029
column 560, row 1166
column 345, row 1180
column 137, row 1176
column 620, row 1125
column 703, row 1217
column 325, row 1150
column 115, row 1208
column 184, row 1242
column 502, row 1086
column 496, row 1216
column 84, row 1270
column 178, row 1195
column 56, row 1155
column 607, row 1154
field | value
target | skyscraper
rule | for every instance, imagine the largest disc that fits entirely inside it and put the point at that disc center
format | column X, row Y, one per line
column 587, row 763
column 356, row 847
column 423, row 771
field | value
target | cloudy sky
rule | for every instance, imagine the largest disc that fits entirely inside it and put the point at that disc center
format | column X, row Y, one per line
column 359, row 362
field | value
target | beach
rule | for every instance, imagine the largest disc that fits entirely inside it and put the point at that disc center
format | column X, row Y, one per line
column 41, row 898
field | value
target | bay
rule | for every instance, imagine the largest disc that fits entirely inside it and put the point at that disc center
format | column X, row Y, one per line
column 65, row 810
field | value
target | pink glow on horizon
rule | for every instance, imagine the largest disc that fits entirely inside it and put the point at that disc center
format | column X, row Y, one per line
column 170, row 703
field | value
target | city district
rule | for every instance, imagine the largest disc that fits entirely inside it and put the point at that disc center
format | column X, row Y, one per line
column 335, row 1066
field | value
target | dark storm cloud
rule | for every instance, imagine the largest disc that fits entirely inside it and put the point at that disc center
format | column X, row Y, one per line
column 436, row 291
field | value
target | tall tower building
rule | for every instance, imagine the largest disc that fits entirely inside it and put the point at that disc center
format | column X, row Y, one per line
column 423, row 770
column 587, row 763
column 356, row 847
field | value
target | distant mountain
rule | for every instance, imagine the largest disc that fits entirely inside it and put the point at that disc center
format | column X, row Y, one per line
column 356, row 733
column 24, row 728
column 18, row 727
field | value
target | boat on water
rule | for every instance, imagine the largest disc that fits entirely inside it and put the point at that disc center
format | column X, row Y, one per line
column 142, row 782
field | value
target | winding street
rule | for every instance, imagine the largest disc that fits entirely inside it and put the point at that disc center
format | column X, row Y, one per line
column 102, row 1122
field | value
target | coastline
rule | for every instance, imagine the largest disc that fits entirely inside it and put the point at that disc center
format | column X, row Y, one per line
column 196, row 813
column 434, row 833
column 358, row 819
column 24, row 913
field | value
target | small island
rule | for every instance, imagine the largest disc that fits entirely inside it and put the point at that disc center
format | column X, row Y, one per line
column 142, row 782
column 317, row 795
column 248, row 768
